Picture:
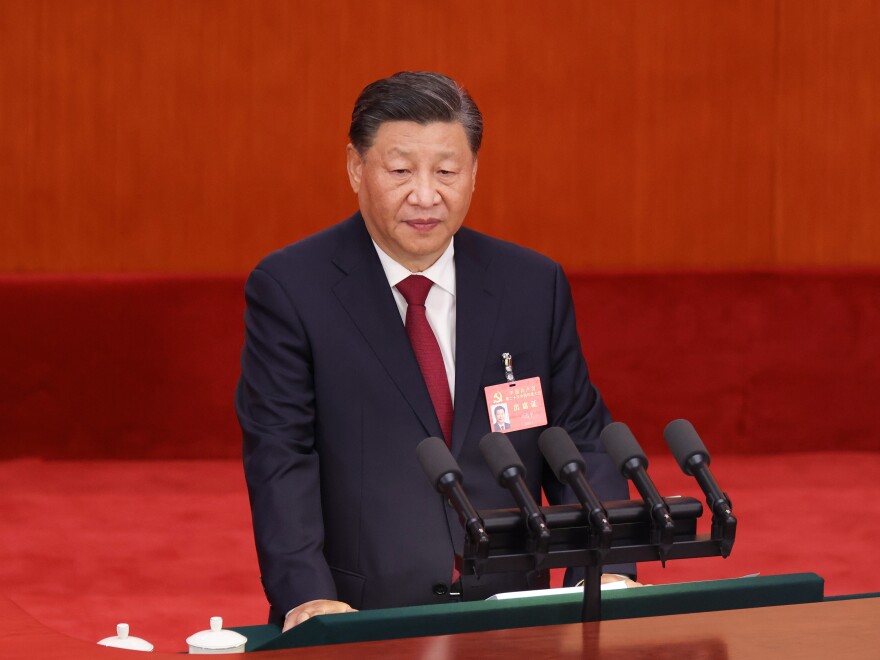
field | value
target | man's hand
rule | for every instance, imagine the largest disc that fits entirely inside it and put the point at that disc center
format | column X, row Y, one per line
column 312, row 608
column 614, row 577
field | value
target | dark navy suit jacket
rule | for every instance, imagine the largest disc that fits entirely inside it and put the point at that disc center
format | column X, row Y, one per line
column 332, row 405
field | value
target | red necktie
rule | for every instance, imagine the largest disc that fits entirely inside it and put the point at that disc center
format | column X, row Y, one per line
column 415, row 290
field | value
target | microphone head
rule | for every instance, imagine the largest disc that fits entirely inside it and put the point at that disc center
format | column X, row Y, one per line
column 436, row 460
column 622, row 445
column 500, row 455
column 559, row 450
column 683, row 441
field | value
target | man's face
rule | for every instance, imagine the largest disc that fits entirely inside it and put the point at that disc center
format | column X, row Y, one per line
column 414, row 187
column 499, row 416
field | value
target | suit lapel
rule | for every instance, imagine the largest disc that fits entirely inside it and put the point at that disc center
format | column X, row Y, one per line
column 367, row 298
column 476, row 312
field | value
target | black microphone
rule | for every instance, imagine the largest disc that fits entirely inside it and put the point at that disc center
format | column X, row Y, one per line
column 624, row 450
column 445, row 475
column 568, row 465
column 693, row 458
column 508, row 469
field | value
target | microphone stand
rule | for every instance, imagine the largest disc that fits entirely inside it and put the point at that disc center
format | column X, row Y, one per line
column 573, row 543
column 591, row 610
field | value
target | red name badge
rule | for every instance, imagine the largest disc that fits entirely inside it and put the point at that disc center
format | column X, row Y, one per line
column 516, row 405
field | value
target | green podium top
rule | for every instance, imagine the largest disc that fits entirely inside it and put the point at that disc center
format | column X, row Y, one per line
column 452, row 618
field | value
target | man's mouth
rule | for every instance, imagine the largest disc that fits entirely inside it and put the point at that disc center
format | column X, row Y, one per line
column 422, row 224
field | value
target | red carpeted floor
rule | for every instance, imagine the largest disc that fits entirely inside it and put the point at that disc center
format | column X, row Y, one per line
column 164, row 545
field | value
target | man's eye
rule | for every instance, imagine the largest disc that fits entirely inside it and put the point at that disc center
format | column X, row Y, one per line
column 446, row 172
column 400, row 171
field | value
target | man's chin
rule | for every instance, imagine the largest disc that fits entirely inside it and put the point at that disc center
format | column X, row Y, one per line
column 425, row 246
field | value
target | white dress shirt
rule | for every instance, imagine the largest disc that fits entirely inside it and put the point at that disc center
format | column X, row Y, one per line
column 439, row 306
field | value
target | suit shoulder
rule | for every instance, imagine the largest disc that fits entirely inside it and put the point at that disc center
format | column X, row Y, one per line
column 307, row 254
column 502, row 252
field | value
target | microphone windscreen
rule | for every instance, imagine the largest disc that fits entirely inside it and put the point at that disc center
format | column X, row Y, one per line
column 500, row 455
column 559, row 450
column 436, row 460
column 683, row 441
column 621, row 445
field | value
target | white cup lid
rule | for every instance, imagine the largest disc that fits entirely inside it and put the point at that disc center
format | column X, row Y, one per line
column 123, row 641
column 216, row 638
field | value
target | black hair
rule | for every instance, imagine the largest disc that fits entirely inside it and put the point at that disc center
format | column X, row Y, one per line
column 417, row 96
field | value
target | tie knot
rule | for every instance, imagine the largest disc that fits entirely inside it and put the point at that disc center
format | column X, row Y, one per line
column 415, row 289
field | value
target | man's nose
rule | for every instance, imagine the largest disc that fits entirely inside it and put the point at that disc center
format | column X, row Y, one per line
column 424, row 191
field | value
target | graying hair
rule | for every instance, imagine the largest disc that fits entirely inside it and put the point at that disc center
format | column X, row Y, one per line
column 417, row 96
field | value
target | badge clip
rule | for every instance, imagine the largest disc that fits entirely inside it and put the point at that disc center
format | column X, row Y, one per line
column 507, row 361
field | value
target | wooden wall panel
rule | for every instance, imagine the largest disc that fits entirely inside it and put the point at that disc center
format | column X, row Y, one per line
column 158, row 135
column 828, row 204
column 704, row 133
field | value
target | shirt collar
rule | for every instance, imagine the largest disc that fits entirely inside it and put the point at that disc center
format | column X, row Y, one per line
column 441, row 272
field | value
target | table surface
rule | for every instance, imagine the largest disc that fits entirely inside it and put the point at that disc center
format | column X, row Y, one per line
column 840, row 629
column 539, row 610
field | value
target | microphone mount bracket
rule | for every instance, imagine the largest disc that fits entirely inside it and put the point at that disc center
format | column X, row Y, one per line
column 574, row 542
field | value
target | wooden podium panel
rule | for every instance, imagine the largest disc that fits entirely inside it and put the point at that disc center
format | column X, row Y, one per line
column 539, row 610
column 840, row 630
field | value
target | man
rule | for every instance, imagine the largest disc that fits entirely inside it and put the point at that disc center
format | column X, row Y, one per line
column 500, row 424
column 334, row 397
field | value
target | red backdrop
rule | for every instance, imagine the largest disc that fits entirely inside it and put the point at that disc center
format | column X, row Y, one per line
column 167, row 136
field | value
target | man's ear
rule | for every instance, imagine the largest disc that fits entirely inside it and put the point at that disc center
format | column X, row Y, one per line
column 355, row 167
column 474, row 175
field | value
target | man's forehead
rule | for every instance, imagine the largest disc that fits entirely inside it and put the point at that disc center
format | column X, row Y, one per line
column 410, row 130
column 406, row 124
column 408, row 138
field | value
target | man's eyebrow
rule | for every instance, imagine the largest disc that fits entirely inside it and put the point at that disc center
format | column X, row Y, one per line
column 398, row 151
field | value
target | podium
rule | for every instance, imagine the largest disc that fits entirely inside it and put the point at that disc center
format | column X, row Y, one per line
column 468, row 617
column 840, row 627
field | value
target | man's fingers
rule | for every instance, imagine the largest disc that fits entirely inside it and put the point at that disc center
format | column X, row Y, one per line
column 306, row 611
column 614, row 577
